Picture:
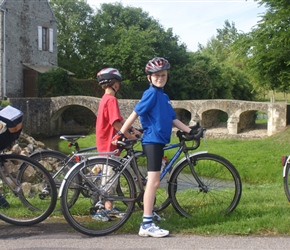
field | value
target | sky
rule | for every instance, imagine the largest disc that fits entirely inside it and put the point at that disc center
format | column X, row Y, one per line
column 196, row 21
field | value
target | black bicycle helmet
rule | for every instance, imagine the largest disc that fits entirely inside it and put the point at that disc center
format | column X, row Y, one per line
column 156, row 64
column 106, row 75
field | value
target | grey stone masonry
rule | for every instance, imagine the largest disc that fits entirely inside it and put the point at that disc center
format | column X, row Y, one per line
column 43, row 115
column 25, row 26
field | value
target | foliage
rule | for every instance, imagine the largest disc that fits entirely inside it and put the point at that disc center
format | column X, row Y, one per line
column 266, row 49
column 53, row 83
column 58, row 83
column 87, row 87
column 232, row 64
column 75, row 50
column 126, row 38
column 225, row 77
column 4, row 103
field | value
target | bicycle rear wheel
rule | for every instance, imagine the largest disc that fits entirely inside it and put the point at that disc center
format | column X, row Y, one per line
column 286, row 180
column 28, row 189
column 80, row 214
column 55, row 164
column 220, row 191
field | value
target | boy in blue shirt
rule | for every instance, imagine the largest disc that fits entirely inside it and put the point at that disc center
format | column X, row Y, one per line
column 157, row 117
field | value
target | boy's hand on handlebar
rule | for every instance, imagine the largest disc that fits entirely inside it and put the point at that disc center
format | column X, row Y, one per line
column 118, row 137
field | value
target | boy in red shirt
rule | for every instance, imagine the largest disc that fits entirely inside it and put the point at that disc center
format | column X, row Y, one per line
column 109, row 121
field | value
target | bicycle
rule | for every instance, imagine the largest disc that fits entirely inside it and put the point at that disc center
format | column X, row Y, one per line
column 198, row 182
column 58, row 164
column 27, row 191
column 286, row 175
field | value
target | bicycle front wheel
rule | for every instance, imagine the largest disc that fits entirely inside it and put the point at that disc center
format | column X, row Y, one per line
column 82, row 214
column 27, row 190
column 218, row 191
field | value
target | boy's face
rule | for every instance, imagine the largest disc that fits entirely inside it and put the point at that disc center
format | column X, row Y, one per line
column 116, row 86
column 159, row 78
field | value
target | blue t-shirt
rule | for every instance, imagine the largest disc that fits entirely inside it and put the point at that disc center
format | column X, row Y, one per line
column 156, row 116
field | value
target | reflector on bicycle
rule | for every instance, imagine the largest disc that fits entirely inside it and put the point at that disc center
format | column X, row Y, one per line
column 284, row 159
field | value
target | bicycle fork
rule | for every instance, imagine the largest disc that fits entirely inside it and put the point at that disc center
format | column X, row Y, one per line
column 192, row 163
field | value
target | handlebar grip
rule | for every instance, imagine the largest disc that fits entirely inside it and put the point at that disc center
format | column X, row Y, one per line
column 198, row 135
column 195, row 135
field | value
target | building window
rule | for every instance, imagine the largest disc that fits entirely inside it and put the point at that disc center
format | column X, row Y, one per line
column 45, row 39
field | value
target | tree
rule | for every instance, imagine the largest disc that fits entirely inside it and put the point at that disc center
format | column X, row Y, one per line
column 113, row 36
column 75, row 43
column 269, row 59
column 228, row 78
column 129, row 38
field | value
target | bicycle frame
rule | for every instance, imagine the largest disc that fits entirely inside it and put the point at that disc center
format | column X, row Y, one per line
column 72, row 156
column 187, row 156
column 110, row 155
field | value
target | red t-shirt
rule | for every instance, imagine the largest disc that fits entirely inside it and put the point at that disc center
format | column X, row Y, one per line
column 108, row 113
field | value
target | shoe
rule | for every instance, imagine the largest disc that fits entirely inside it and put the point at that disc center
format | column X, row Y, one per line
column 156, row 217
column 101, row 215
column 115, row 212
column 152, row 231
column 3, row 202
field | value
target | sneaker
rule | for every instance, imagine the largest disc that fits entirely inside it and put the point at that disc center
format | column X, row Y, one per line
column 152, row 231
column 101, row 216
column 156, row 217
column 115, row 212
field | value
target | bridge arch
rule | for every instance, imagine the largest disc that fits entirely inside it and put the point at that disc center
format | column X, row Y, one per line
column 61, row 104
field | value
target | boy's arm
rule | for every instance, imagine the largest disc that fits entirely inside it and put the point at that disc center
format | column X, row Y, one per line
column 118, row 125
column 128, row 123
column 180, row 125
column 124, row 129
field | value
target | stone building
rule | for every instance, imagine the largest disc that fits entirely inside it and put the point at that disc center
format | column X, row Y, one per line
column 28, row 45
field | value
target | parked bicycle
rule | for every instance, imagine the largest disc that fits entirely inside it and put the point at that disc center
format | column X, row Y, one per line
column 198, row 182
column 27, row 191
column 58, row 164
column 286, row 175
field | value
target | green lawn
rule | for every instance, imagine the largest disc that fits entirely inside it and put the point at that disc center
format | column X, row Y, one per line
column 263, row 208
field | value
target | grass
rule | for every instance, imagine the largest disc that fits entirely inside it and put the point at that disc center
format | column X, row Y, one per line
column 263, row 208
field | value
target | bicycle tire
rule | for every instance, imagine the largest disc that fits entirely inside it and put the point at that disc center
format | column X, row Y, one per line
column 53, row 161
column 221, row 193
column 34, row 196
column 286, row 180
column 79, row 216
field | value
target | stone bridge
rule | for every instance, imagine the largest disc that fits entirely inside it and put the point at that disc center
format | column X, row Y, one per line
column 43, row 115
